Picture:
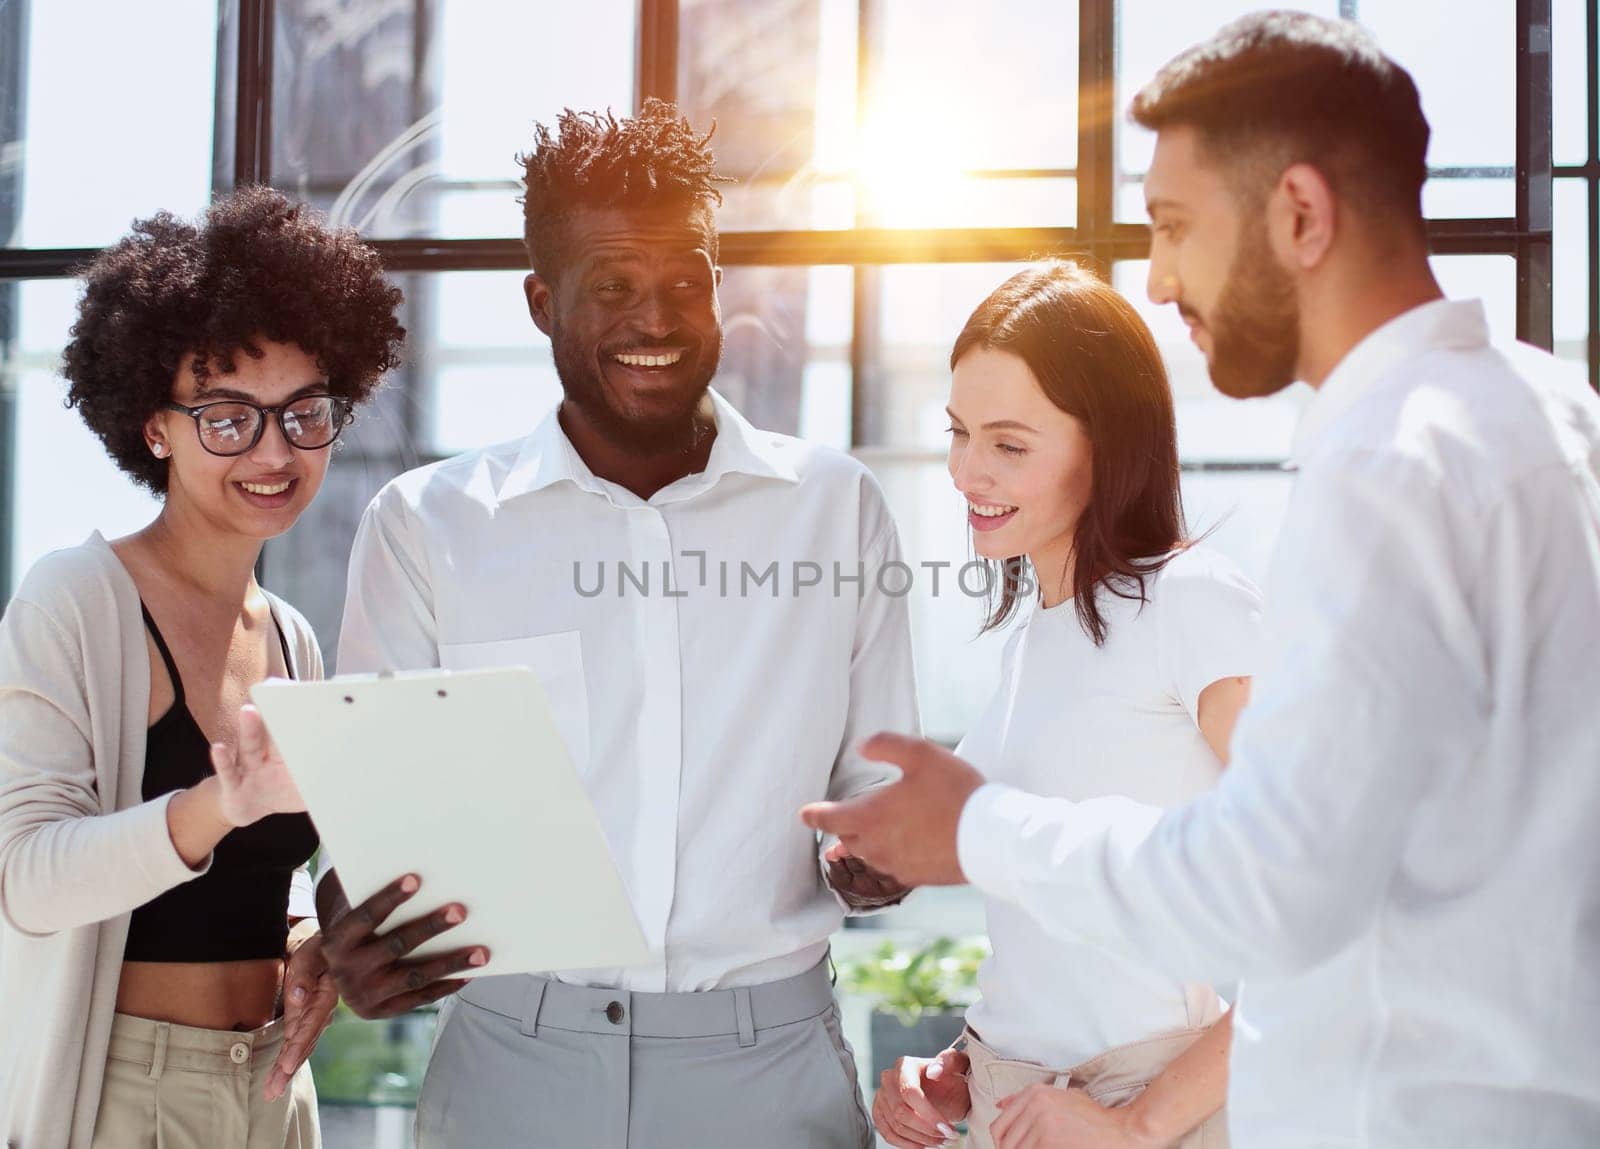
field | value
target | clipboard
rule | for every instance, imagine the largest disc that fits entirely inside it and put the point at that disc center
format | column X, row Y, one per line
column 462, row 778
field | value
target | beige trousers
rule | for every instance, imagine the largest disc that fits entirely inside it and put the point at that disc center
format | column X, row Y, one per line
column 175, row 1087
column 1113, row 1078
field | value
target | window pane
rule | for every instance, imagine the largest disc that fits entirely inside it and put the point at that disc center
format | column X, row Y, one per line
column 945, row 65
column 1490, row 278
column 1239, row 513
column 952, row 91
column 1149, row 33
column 1465, row 71
column 1571, row 272
column 408, row 129
column 49, row 441
column 780, row 79
column 957, row 668
column 1569, row 66
column 913, row 314
column 98, row 129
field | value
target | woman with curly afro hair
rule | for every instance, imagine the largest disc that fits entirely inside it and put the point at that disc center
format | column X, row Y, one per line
column 161, row 974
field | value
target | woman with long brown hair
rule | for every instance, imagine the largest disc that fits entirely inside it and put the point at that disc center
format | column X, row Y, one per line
column 1128, row 667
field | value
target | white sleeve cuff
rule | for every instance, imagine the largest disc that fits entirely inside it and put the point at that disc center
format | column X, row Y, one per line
column 302, row 895
column 153, row 848
column 990, row 827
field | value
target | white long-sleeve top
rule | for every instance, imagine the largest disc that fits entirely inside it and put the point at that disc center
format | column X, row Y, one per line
column 1402, row 859
column 1076, row 720
column 707, row 687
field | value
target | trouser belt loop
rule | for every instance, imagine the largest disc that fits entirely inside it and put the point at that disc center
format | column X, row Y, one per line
column 158, row 1060
column 531, row 1002
column 747, row 1023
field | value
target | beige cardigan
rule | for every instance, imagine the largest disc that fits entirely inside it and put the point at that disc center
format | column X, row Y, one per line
column 79, row 847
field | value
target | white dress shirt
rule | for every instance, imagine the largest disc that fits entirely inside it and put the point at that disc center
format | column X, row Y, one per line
column 1402, row 859
column 1075, row 720
column 705, row 688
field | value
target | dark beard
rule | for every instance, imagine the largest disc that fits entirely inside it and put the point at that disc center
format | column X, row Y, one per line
column 1255, row 327
column 671, row 433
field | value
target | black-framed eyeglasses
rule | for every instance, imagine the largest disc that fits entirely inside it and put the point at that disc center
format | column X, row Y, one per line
column 234, row 426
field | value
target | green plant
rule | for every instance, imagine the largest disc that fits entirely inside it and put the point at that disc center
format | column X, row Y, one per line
column 373, row 1062
column 941, row 975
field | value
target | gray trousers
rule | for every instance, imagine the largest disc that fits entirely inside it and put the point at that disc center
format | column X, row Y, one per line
column 527, row 1062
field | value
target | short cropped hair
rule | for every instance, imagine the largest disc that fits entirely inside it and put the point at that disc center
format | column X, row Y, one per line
column 256, row 266
column 652, row 160
column 1288, row 87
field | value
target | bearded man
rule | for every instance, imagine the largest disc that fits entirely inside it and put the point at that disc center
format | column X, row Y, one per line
column 1400, row 860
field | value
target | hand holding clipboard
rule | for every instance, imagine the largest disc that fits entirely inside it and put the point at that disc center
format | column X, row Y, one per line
column 460, row 779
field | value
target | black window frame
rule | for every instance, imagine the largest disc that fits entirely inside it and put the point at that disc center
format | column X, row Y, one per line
column 247, row 26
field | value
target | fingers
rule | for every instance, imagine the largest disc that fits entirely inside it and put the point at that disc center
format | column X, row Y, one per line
column 863, row 877
column 838, row 852
column 831, row 818
column 1017, row 1112
column 887, row 1129
column 902, row 750
column 369, row 966
column 894, row 1119
column 224, row 761
column 303, row 1029
column 921, row 1117
column 355, row 927
column 304, row 1024
column 287, row 1065
column 255, row 747
column 402, row 978
column 399, row 942
column 277, row 1084
column 407, row 1002
column 302, row 977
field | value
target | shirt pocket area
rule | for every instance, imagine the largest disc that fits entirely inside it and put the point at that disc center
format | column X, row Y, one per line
column 556, row 661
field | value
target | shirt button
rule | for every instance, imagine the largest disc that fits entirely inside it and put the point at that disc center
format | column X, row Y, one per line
column 240, row 1053
column 615, row 1013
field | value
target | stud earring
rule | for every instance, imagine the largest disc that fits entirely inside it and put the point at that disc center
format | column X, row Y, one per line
column 159, row 450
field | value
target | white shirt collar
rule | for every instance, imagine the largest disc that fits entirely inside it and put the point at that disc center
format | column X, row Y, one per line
column 547, row 457
column 1439, row 325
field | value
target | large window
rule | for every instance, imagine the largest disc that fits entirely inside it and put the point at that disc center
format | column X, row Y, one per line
column 895, row 159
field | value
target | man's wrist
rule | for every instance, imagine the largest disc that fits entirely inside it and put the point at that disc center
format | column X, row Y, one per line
column 300, row 932
column 871, row 902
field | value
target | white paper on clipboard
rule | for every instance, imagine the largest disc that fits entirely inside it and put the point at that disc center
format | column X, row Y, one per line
column 462, row 778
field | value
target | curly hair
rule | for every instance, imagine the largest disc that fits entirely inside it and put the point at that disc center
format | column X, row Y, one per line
column 256, row 266
column 655, row 159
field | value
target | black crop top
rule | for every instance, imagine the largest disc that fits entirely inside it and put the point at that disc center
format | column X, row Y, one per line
column 239, row 908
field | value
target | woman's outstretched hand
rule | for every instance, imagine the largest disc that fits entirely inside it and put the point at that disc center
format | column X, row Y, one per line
column 254, row 781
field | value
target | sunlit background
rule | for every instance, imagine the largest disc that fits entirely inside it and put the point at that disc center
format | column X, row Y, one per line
column 895, row 159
